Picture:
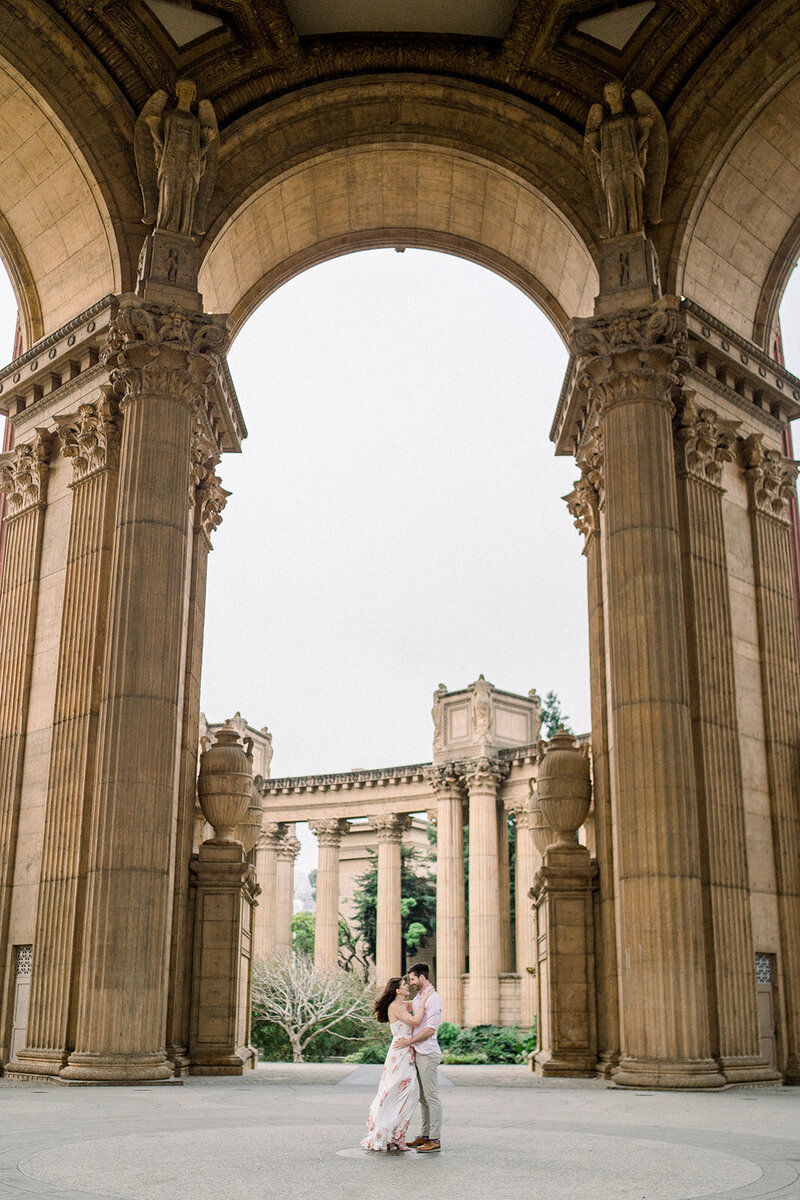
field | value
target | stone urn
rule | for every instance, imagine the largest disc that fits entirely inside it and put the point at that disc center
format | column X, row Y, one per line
column 543, row 835
column 249, row 830
column 564, row 787
column 225, row 783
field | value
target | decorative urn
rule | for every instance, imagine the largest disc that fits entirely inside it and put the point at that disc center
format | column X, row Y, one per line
column 248, row 830
column 543, row 835
column 564, row 786
column 225, row 783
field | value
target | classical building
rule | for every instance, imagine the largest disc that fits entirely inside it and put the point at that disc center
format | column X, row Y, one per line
column 633, row 171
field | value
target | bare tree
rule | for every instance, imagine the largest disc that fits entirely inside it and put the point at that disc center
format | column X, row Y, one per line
column 306, row 1000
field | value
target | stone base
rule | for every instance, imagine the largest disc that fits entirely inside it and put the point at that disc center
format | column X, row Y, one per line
column 792, row 1075
column 116, row 1068
column 629, row 275
column 607, row 1065
column 244, row 1059
column 749, row 1069
column 168, row 267
column 564, row 1065
column 35, row 1063
column 693, row 1074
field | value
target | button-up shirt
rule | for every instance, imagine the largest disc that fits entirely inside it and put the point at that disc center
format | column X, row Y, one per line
column 431, row 1003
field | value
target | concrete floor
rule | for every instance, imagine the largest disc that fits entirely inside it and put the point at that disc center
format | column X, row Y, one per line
column 287, row 1132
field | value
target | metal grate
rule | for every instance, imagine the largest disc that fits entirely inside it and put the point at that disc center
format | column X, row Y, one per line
column 763, row 968
column 23, row 960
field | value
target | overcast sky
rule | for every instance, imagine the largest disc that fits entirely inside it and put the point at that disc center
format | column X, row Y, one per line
column 396, row 518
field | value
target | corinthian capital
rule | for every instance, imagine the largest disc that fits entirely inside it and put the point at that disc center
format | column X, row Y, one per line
column 289, row 848
column 390, row 827
column 771, row 478
column 485, row 773
column 23, row 474
column 211, row 498
column 152, row 349
column 330, row 832
column 631, row 356
column 523, row 813
column 446, row 778
column 91, row 437
column 272, row 836
column 704, row 441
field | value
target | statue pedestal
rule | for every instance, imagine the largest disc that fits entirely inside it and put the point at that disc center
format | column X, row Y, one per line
column 168, row 267
column 562, row 896
column 629, row 275
column 225, row 897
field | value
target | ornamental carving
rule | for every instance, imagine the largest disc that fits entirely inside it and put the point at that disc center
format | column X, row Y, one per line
column 23, row 474
column 330, row 832
column 273, row 834
column 485, row 772
column 446, row 778
column 390, row 827
column 289, row 849
column 524, row 813
column 771, row 478
column 704, row 441
column 91, row 437
column 586, row 501
column 631, row 356
column 203, row 457
column 176, row 159
column 210, row 499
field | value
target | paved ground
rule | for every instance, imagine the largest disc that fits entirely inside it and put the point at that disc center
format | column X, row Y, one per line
column 287, row 1132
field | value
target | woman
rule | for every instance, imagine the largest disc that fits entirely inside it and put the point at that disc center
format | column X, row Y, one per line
column 398, row 1090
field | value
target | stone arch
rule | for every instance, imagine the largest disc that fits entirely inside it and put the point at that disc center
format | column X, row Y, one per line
column 344, row 168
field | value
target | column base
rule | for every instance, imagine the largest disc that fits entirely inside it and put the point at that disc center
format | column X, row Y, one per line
column 36, row 1062
column 748, row 1068
column 697, row 1074
column 87, row 1067
column 244, row 1059
column 792, row 1075
column 178, row 1057
column 579, row 1064
column 607, row 1064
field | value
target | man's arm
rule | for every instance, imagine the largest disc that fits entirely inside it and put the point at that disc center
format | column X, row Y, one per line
column 417, row 1037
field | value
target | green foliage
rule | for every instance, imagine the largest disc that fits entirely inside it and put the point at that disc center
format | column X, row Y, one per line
column 372, row 1052
column 271, row 1041
column 552, row 716
column 447, row 1034
column 483, row 1044
column 303, row 924
column 274, row 1046
column 417, row 905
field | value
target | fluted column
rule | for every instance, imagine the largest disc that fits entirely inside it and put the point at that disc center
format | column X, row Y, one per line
column 528, row 862
column 23, row 480
column 160, row 362
column 448, row 785
column 207, row 498
column 389, row 955
column 483, row 777
column 629, row 364
column 326, row 925
column 288, row 850
column 504, row 890
column 586, row 505
column 771, row 481
column 704, row 444
column 265, row 918
column 91, row 440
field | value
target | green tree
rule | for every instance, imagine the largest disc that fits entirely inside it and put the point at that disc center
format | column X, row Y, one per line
column 552, row 716
column 417, row 904
column 303, row 925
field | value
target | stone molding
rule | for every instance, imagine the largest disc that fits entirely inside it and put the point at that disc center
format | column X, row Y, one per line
column 704, row 441
column 330, row 832
column 24, row 473
column 344, row 780
column 91, row 437
column 390, row 827
column 771, row 478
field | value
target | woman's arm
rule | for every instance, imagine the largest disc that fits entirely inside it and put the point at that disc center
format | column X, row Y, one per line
column 399, row 1012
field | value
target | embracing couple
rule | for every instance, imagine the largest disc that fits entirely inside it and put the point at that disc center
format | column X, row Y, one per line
column 411, row 1071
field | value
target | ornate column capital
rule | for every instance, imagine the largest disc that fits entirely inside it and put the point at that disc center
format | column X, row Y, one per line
column 390, row 827
column 523, row 813
column 771, row 478
column 24, row 472
column 91, row 437
column 704, row 441
column 635, row 355
column 272, row 835
column 152, row 349
column 331, row 831
column 447, row 778
column 289, row 848
column 485, row 773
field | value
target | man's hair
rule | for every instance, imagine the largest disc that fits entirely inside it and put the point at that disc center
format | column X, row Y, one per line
column 420, row 969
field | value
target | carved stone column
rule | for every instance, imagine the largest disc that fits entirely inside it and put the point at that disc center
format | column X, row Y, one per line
column 504, row 892
column 91, row 439
column 23, row 480
column 483, row 776
column 586, row 505
column 273, row 834
column 528, row 862
column 629, row 365
column 389, row 943
column 288, row 851
column 704, row 444
column 448, row 785
column 161, row 361
column 207, row 499
column 771, row 480
column 326, row 925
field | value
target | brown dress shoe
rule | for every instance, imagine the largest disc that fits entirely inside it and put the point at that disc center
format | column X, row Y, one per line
column 418, row 1141
column 429, row 1147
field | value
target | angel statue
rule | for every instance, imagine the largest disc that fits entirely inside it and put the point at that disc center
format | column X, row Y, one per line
column 626, row 159
column 176, row 157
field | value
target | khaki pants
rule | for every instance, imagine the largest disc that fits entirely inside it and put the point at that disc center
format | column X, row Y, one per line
column 428, row 1075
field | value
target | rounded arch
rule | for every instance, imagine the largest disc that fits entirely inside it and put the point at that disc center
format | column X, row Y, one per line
column 403, row 161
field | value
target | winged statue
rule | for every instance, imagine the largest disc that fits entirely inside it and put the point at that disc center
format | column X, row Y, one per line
column 176, row 158
column 625, row 152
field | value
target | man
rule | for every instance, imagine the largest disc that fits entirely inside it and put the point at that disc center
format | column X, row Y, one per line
column 427, row 1057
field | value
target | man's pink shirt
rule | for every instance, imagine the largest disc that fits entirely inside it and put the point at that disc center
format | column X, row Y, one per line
column 431, row 1018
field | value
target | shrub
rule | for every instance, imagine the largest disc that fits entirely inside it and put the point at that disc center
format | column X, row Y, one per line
column 447, row 1033
column 463, row 1060
column 373, row 1052
column 485, row 1043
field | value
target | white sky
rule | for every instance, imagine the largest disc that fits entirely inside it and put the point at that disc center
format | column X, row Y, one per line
column 396, row 517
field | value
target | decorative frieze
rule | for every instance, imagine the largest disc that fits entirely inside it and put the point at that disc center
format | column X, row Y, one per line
column 771, row 478
column 24, row 472
column 704, row 441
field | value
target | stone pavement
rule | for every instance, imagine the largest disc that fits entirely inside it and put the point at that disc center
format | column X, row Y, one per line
column 294, row 1131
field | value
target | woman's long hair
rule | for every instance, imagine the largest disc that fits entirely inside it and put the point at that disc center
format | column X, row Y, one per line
column 381, row 1009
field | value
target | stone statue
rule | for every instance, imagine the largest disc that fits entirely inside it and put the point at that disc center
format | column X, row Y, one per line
column 176, row 157
column 626, row 159
column 482, row 709
column 436, row 713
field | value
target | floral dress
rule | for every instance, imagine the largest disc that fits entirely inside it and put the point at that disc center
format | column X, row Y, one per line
column 396, row 1098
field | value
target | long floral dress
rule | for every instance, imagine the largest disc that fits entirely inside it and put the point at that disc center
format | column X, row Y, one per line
column 396, row 1098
